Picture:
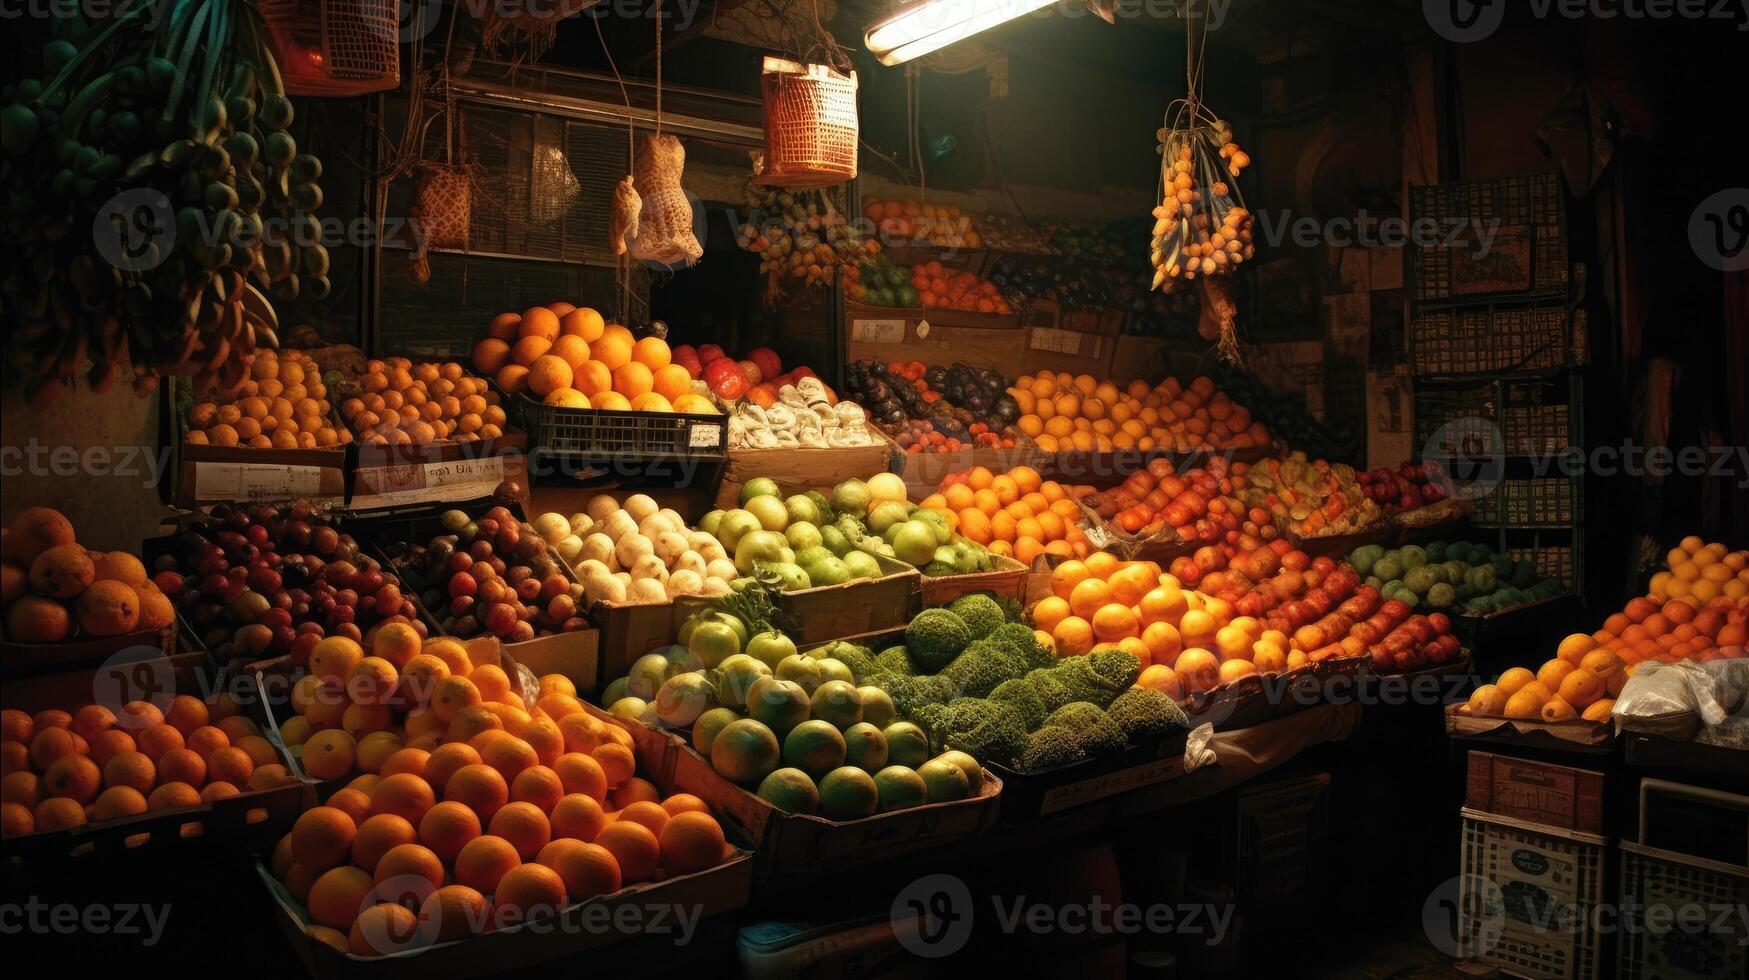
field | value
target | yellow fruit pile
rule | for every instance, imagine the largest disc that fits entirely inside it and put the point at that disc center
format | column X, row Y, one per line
column 1701, row 572
column 1580, row 681
column 282, row 405
column 1063, row 412
column 403, row 403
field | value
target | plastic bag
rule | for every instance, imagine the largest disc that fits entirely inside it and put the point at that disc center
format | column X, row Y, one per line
column 1677, row 700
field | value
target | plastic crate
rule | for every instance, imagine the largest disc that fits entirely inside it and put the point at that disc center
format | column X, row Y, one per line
column 1716, row 944
column 1556, row 502
column 1527, row 215
column 1527, row 897
column 1490, row 341
column 596, row 433
column 1551, row 561
column 1281, row 831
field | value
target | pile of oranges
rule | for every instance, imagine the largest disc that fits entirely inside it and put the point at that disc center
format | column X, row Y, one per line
column 1063, row 412
column 1700, row 572
column 571, row 357
column 283, row 404
column 1187, row 641
column 66, row 769
column 1017, row 514
column 472, row 808
column 403, row 403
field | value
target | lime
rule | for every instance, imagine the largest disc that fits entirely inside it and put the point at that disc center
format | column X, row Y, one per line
column 791, row 791
column 865, row 747
column 899, row 787
column 815, row 747
column 744, row 751
column 838, row 703
column 848, row 793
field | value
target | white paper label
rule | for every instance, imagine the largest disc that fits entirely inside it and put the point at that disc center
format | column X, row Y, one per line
column 255, row 481
column 706, row 436
column 878, row 331
column 1060, row 341
column 399, row 485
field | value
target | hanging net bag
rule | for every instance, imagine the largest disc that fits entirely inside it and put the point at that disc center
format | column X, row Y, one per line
column 664, row 221
column 810, row 124
column 442, row 210
column 336, row 47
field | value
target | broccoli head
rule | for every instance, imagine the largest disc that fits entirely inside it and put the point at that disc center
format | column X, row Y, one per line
column 1146, row 713
column 894, row 660
column 1048, row 748
column 858, row 658
column 980, row 613
column 1084, row 682
column 988, row 731
column 1093, row 729
column 1118, row 668
column 1024, row 699
column 934, row 638
column 1050, row 687
column 1021, row 642
column 981, row 667
column 911, row 693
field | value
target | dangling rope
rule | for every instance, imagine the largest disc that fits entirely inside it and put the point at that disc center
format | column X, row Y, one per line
column 622, row 261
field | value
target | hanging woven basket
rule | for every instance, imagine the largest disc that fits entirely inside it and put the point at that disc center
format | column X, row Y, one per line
column 335, row 47
column 810, row 124
column 442, row 212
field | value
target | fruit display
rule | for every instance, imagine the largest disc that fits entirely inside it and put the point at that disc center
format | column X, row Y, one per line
column 910, row 223
column 1336, row 439
column 398, row 402
column 882, row 282
column 282, row 404
column 1309, row 498
column 935, row 408
column 1455, row 577
column 1006, row 234
column 761, row 372
column 570, row 357
column 1063, row 412
column 796, row 729
column 796, row 416
column 1195, row 505
column 493, row 575
column 810, row 539
column 801, row 236
column 941, row 288
column 1699, row 572
column 1016, row 514
column 487, row 806
column 55, row 590
column 92, row 765
column 258, row 582
column 635, row 551
column 1409, row 487
column 1201, row 227
column 169, row 136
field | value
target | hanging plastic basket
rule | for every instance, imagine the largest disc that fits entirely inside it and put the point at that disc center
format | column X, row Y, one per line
column 810, row 124
column 336, row 47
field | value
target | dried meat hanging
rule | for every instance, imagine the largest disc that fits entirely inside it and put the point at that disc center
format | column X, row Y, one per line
column 1202, row 229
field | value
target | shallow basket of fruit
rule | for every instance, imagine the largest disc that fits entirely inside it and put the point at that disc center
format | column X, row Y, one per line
column 142, row 770
column 1572, row 735
column 604, row 434
column 502, row 878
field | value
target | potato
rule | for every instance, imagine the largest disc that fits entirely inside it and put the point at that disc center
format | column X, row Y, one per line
column 632, row 547
column 582, row 524
column 685, row 582
column 619, row 524
column 649, row 566
column 599, row 547
column 715, row 586
column 648, row 590
column 722, row 568
column 689, row 561
column 552, row 527
column 569, row 547
column 669, row 546
column 588, row 568
column 640, row 506
column 674, row 518
column 656, row 524
column 600, row 506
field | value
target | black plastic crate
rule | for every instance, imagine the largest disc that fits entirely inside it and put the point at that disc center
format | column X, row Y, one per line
column 1528, row 251
column 601, row 434
column 1494, row 341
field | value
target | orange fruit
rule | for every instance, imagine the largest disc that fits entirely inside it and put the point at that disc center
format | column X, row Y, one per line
column 633, row 379
column 159, row 739
column 1198, row 670
column 185, row 715
column 1050, row 611
column 1579, row 688
column 537, row 785
column 509, row 755
column 1514, row 679
column 383, row 929
column 611, row 349
column 182, row 766
column 1088, row 597
column 322, row 837
column 451, row 695
column 78, row 778
column 410, row 860
column 637, row 851
column 479, row 787
column 1552, row 672
column 58, row 813
column 1073, row 636
column 652, row 352
column 447, row 827
column 1066, row 576
column 588, row 870
column 646, row 812
column 1524, row 704
column 1557, row 709
column 355, row 802
column 548, row 373
column 329, row 754
column 338, row 896
column 672, row 381
column 529, row 891
column 405, row 795
column 1114, row 621
column 1159, row 677
column 539, row 322
column 117, row 802
column 577, row 815
column 377, row 836
column 405, row 760
column 126, row 769
column 634, row 790
column 616, row 761
column 573, row 350
column 690, row 842
column 524, row 826
column 685, row 803
column 483, row 861
column 582, row 322
column 445, row 760
column 452, row 912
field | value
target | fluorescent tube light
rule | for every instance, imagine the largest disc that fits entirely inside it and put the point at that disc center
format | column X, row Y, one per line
column 930, row 25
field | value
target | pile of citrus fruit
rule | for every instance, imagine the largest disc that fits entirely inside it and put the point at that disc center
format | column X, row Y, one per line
column 66, row 769
column 479, row 811
column 1700, row 572
column 571, row 357
column 1063, row 412
column 1017, row 514
column 403, row 403
column 283, row 404
column 52, row 589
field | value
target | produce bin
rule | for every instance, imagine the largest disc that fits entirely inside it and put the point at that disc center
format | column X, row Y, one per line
column 397, row 477
column 24, row 659
column 1028, row 797
column 1258, row 698
column 251, row 819
column 828, row 612
column 599, row 433
column 805, row 467
column 1540, row 792
column 628, row 630
column 1715, row 878
column 1577, row 735
column 1007, row 580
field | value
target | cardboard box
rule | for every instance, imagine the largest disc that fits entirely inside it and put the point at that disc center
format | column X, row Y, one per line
column 1032, row 796
column 1541, row 792
column 828, row 612
column 212, row 474
column 935, row 337
column 23, row 659
column 805, row 468
column 251, row 819
column 396, row 477
column 1577, row 735
column 1007, row 580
